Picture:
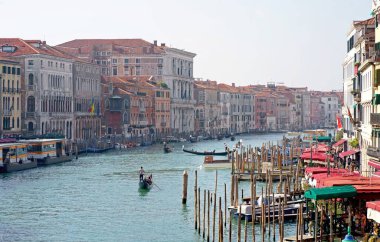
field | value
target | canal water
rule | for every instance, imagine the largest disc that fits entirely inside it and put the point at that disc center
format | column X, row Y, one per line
column 96, row 197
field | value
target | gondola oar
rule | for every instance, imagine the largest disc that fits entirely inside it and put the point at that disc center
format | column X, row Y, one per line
column 157, row 186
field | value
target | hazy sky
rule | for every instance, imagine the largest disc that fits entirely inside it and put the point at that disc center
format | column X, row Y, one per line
column 297, row 42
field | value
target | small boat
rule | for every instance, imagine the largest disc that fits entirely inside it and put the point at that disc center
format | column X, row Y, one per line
column 210, row 163
column 214, row 153
column 167, row 149
column 233, row 138
column 146, row 183
column 193, row 139
column 290, row 209
column 220, row 137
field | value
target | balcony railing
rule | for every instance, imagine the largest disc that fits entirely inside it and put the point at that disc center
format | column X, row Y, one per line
column 373, row 152
column 375, row 119
column 29, row 114
column 143, row 123
column 7, row 113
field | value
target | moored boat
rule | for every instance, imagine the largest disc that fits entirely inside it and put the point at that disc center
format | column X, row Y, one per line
column 214, row 153
column 290, row 209
column 210, row 163
column 14, row 158
column 47, row 151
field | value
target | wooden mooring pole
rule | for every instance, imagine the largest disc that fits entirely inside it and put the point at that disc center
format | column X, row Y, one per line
column 184, row 187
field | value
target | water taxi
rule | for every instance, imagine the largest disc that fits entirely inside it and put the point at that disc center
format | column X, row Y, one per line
column 13, row 157
column 47, row 151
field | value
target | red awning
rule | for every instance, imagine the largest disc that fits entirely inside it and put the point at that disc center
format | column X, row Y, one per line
column 347, row 153
column 374, row 164
column 374, row 205
column 340, row 142
column 315, row 156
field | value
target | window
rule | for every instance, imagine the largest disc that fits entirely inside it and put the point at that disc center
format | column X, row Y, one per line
column 114, row 71
column 126, row 71
column 138, row 70
column 18, row 122
column 114, row 61
column 13, row 71
column 30, row 79
column 31, row 104
column 4, row 69
column 126, row 61
column 18, row 71
column 30, row 62
column 8, row 49
column 138, row 60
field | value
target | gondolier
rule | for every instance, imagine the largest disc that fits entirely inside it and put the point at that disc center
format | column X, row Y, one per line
column 142, row 174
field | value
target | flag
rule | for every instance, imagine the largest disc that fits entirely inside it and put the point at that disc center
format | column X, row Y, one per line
column 91, row 109
column 349, row 114
column 339, row 123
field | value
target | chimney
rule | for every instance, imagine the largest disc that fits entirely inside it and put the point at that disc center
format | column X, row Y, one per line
column 162, row 44
column 155, row 42
column 233, row 84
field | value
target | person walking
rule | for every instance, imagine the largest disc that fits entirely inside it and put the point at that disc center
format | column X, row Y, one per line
column 142, row 174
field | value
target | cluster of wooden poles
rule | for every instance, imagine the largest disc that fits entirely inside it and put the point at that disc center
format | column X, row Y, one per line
column 207, row 226
column 243, row 162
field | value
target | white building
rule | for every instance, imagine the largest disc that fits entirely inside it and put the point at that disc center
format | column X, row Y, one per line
column 178, row 75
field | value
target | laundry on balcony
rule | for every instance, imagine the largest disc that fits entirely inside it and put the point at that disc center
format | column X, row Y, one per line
column 347, row 153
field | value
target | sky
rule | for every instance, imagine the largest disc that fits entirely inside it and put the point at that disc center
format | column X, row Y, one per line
column 296, row 42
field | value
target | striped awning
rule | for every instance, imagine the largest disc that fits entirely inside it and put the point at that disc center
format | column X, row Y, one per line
column 374, row 164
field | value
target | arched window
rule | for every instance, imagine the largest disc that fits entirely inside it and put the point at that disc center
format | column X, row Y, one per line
column 13, row 122
column 18, row 122
column 31, row 79
column 31, row 104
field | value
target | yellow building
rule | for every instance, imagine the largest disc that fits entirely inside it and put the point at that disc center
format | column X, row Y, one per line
column 10, row 97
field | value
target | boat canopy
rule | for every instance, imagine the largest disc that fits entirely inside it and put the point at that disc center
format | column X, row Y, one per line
column 331, row 192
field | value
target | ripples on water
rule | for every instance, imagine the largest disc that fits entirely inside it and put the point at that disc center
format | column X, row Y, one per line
column 96, row 198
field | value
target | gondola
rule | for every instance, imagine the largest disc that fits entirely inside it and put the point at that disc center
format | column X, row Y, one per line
column 205, row 152
column 233, row 138
column 220, row 137
column 145, row 184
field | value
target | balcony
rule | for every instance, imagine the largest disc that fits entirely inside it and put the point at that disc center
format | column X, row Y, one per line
column 375, row 119
column 143, row 123
column 373, row 152
column 7, row 113
column 355, row 91
column 356, row 122
column 29, row 114
column 357, row 98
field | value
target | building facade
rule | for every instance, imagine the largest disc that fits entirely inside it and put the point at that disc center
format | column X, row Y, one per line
column 47, row 105
column 10, row 97
column 87, row 95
